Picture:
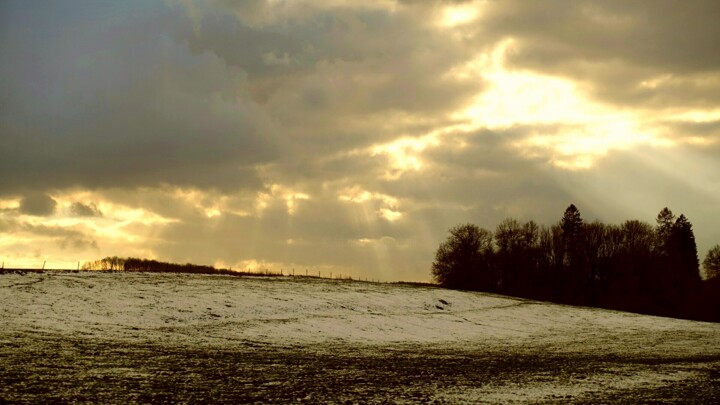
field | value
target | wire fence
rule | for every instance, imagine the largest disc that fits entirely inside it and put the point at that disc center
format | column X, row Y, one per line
column 307, row 272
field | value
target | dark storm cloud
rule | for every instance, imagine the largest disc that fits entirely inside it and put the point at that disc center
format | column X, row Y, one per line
column 79, row 209
column 64, row 238
column 100, row 96
column 613, row 46
column 347, row 68
column 135, row 94
column 37, row 204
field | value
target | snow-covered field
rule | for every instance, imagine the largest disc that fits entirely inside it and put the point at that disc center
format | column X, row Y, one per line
column 142, row 337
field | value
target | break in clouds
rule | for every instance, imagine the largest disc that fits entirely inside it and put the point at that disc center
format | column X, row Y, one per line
column 346, row 136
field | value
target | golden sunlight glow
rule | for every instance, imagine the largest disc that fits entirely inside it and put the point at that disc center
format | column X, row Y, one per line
column 655, row 82
column 389, row 214
column 291, row 197
column 112, row 213
column 279, row 192
column 262, row 201
column 696, row 116
column 10, row 204
column 580, row 146
column 137, row 215
column 209, row 204
column 689, row 117
column 291, row 202
column 212, row 212
column 699, row 141
column 578, row 131
column 404, row 154
column 64, row 238
column 389, row 209
column 358, row 195
column 515, row 97
column 261, row 265
column 249, row 265
column 8, row 240
column 459, row 14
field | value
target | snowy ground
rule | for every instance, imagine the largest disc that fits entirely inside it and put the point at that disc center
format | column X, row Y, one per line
column 142, row 337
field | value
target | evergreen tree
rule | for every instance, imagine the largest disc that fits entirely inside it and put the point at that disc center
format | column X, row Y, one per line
column 682, row 243
column 571, row 222
column 681, row 278
column 665, row 224
column 572, row 226
column 575, row 274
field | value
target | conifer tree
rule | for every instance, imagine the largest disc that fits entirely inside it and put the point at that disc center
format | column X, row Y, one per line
column 575, row 275
column 665, row 223
column 684, row 249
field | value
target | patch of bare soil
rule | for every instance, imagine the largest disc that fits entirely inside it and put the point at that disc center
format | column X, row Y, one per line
column 36, row 368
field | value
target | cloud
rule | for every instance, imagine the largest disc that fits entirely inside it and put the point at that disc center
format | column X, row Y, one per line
column 28, row 232
column 641, row 53
column 37, row 204
column 354, row 68
column 346, row 134
column 80, row 114
column 85, row 210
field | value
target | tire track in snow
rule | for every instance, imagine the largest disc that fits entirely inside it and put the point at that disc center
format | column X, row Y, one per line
column 29, row 283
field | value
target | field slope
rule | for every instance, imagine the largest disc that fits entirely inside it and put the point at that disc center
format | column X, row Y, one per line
column 143, row 337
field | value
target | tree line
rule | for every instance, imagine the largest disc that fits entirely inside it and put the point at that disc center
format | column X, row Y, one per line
column 132, row 264
column 633, row 266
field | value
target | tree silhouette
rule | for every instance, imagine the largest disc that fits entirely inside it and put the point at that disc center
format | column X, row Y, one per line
column 517, row 256
column 574, row 272
column 597, row 254
column 634, row 266
column 682, row 243
column 464, row 259
column 665, row 223
column 509, row 241
column 712, row 262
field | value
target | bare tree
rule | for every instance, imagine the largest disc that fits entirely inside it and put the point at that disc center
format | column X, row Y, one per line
column 464, row 259
column 712, row 262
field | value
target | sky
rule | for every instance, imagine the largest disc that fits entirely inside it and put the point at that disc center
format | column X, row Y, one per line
column 346, row 136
